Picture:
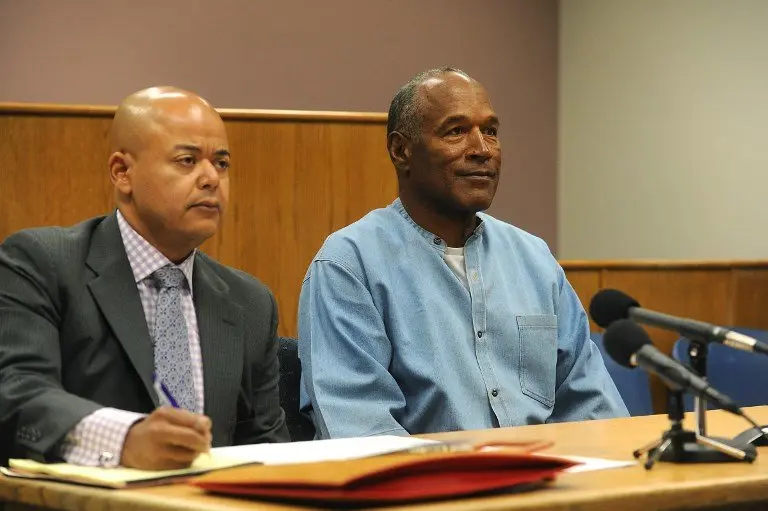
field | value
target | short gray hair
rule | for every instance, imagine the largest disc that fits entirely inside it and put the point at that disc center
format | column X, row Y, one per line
column 405, row 115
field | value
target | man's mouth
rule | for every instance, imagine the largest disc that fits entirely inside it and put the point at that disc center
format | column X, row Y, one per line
column 207, row 205
column 480, row 174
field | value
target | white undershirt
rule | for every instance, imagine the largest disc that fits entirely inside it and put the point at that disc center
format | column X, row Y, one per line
column 454, row 258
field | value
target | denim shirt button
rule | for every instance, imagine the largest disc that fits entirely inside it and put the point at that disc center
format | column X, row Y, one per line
column 479, row 334
column 436, row 240
column 495, row 392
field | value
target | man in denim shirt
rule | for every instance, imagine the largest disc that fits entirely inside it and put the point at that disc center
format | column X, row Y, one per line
column 428, row 315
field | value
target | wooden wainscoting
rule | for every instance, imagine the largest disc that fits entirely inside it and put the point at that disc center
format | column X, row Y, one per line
column 296, row 177
column 727, row 293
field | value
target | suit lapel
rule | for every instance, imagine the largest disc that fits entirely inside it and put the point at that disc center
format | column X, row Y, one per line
column 116, row 294
column 220, row 340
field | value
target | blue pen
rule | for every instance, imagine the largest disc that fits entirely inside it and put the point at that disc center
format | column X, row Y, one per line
column 163, row 394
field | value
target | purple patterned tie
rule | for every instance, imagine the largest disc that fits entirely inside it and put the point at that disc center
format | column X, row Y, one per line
column 173, row 364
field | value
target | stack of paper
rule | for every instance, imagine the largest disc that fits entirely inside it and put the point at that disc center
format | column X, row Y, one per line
column 222, row 457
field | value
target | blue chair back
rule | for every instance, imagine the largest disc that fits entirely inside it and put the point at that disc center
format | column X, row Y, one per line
column 738, row 374
column 633, row 384
column 299, row 426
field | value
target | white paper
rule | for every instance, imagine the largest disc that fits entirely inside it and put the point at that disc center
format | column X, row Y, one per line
column 319, row 450
column 590, row 464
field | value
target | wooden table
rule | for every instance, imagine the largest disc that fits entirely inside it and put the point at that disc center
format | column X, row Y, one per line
column 667, row 486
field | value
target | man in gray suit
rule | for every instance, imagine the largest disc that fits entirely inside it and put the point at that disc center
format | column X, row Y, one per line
column 104, row 322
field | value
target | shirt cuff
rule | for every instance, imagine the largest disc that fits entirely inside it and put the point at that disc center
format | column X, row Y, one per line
column 97, row 440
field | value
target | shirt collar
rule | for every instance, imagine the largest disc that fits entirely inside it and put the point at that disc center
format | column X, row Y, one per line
column 435, row 241
column 144, row 258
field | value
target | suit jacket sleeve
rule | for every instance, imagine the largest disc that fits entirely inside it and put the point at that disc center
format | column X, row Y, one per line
column 35, row 411
column 260, row 417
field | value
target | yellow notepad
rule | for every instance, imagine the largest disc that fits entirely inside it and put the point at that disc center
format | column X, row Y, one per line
column 118, row 477
column 219, row 457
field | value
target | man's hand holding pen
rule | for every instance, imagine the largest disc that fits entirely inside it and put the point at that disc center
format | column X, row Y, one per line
column 167, row 438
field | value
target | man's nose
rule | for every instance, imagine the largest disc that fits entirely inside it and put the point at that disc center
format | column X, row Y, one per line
column 209, row 176
column 478, row 146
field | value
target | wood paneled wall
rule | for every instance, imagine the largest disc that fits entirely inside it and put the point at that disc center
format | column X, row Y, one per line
column 296, row 177
column 724, row 293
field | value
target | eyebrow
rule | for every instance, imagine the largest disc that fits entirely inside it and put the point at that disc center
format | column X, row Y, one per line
column 195, row 149
column 461, row 118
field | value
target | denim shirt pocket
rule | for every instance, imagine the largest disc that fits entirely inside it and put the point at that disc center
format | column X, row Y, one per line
column 538, row 356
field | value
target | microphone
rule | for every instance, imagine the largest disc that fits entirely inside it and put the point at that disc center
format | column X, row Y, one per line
column 629, row 345
column 610, row 305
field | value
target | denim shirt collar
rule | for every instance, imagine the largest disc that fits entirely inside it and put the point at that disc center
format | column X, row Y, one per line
column 435, row 241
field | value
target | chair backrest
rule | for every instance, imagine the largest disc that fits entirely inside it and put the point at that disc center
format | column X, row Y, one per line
column 299, row 426
column 633, row 384
column 738, row 374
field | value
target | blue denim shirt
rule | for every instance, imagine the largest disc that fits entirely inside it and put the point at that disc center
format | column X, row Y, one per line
column 391, row 341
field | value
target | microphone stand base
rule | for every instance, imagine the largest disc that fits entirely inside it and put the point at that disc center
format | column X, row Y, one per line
column 700, row 453
column 681, row 446
column 753, row 436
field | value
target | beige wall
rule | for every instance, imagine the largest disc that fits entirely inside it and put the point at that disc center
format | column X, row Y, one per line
column 293, row 54
column 663, row 129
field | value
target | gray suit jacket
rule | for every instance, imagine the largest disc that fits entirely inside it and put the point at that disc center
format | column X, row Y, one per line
column 73, row 339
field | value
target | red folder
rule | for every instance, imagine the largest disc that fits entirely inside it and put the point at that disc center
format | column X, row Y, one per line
column 389, row 479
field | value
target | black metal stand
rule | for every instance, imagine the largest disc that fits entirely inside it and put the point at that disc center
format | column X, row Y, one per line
column 678, row 445
column 698, row 353
column 753, row 436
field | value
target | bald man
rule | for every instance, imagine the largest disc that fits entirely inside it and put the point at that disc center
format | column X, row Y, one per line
column 121, row 343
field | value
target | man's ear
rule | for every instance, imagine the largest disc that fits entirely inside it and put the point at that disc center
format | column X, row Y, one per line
column 120, row 165
column 399, row 148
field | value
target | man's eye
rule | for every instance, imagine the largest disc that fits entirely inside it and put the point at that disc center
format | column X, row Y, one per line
column 222, row 164
column 186, row 160
column 458, row 130
column 491, row 131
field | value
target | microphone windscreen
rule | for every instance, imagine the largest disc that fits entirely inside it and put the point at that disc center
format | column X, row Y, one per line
column 623, row 339
column 609, row 305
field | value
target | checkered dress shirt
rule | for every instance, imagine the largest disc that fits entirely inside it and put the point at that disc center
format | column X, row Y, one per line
column 97, row 440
